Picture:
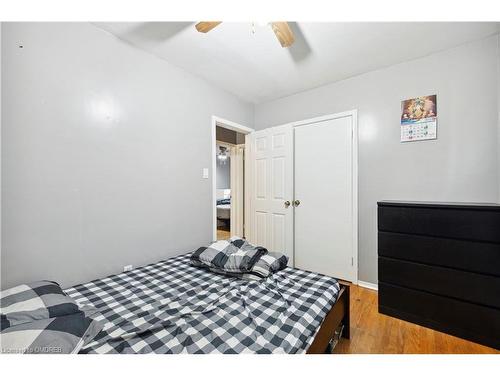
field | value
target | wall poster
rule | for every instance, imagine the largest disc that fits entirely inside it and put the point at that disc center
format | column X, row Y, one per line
column 419, row 119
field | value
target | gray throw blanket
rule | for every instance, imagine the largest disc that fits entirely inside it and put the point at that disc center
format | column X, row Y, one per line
column 238, row 258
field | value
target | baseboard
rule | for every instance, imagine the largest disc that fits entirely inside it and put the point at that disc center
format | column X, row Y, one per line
column 367, row 285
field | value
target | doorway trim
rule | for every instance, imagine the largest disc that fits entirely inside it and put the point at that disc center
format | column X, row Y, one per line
column 223, row 123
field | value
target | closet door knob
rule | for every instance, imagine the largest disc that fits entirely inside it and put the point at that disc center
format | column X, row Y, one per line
column 296, row 202
column 287, row 204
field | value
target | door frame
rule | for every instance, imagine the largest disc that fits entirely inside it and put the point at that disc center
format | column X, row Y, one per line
column 355, row 232
column 237, row 178
column 231, row 125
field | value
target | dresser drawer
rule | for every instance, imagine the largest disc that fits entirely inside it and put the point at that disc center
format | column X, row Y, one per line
column 459, row 318
column 467, row 286
column 481, row 257
column 469, row 224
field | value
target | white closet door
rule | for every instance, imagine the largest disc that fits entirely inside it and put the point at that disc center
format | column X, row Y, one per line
column 270, row 188
column 324, row 186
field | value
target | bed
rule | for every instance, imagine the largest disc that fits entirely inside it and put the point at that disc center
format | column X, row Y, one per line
column 223, row 204
column 173, row 307
column 224, row 211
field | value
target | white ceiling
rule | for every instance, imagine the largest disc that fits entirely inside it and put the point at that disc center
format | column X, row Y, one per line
column 257, row 69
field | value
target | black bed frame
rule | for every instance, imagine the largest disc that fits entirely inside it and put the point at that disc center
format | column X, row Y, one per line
column 339, row 315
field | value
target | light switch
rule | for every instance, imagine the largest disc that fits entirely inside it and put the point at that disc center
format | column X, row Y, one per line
column 205, row 172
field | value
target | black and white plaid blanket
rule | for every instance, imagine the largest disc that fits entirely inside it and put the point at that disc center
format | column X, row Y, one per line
column 238, row 258
column 173, row 307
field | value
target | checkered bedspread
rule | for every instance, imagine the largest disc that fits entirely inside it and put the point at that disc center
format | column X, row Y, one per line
column 173, row 307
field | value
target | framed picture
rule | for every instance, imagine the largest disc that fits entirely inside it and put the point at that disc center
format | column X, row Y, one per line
column 419, row 119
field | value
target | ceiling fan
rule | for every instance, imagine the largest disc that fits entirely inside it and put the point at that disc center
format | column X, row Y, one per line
column 281, row 30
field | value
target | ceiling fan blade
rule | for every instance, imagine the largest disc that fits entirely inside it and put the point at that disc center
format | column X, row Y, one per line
column 205, row 27
column 283, row 33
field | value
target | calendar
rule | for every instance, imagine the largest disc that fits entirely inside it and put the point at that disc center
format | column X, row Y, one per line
column 419, row 119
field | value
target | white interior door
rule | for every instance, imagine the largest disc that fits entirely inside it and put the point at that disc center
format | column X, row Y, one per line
column 270, row 187
column 323, row 182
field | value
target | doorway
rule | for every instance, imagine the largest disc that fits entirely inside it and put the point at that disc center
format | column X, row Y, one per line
column 228, row 166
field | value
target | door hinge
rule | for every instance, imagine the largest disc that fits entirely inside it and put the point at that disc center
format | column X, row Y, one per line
column 352, row 261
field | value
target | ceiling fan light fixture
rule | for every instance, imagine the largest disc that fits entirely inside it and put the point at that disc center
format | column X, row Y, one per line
column 262, row 23
column 282, row 30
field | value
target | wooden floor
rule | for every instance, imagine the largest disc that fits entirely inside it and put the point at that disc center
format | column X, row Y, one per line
column 372, row 332
column 223, row 234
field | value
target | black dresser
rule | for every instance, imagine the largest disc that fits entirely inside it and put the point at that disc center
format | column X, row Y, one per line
column 439, row 266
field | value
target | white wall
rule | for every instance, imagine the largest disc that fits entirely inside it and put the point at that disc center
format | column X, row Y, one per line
column 103, row 147
column 90, row 124
column 461, row 165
